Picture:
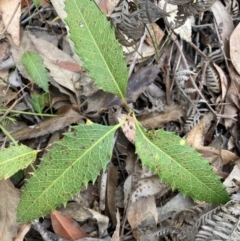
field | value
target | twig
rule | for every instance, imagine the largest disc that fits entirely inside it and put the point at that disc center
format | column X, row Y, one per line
column 196, row 87
column 136, row 55
column 167, row 67
column 7, row 134
column 36, row 14
column 46, row 235
column 10, row 108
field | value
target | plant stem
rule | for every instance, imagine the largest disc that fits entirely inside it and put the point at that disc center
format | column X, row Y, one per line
column 28, row 113
column 8, row 134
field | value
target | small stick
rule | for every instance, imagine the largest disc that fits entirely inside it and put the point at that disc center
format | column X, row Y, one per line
column 10, row 108
column 196, row 87
column 46, row 235
column 137, row 53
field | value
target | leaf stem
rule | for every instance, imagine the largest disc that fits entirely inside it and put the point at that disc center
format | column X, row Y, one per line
column 8, row 135
column 28, row 113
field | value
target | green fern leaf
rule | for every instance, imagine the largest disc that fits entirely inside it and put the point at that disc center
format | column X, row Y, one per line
column 15, row 158
column 69, row 166
column 33, row 63
column 96, row 44
column 179, row 165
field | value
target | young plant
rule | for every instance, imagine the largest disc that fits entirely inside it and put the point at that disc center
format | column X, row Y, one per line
column 86, row 151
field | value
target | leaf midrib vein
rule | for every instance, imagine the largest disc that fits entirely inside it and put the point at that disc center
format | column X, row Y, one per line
column 38, row 73
column 102, row 56
column 70, row 166
column 144, row 136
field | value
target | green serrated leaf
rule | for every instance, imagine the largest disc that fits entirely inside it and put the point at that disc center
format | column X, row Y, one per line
column 179, row 165
column 33, row 63
column 36, row 2
column 69, row 166
column 38, row 101
column 15, row 158
column 96, row 44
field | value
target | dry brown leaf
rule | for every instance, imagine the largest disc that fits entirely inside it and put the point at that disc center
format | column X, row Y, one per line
column 48, row 126
column 111, row 5
column 217, row 157
column 23, row 230
column 139, row 82
column 6, row 94
column 154, row 35
column 11, row 12
column 116, row 234
column 66, row 227
column 81, row 214
column 102, row 221
column 3, row 55
column 195, row 137
column 74, row 67
column 76, row 211
column 128, row 127
column 45, row 3
column 9, row 198
column 149, row 186
column 112, row 180
column 212, row 153
column 224, row 23
column 51, row 56
column 232, row 97
column 103, row 6
column 223, row 81
column 142, row 213
column 152, row 120
column 235, row 48
column 185, row 31
column 100, row 100
column 230, row 181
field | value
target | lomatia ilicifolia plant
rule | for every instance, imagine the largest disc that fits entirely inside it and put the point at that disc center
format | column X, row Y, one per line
column 85, row 152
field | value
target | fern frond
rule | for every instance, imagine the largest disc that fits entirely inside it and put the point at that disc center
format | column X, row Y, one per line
column 222, row 223
column 177, row 232
column 190, row 90
column 213, row 80
column 129, row 18
column 192, row 121
column 232, row 7
column 216, row 56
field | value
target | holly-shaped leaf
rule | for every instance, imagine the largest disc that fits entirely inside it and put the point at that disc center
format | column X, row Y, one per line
column 69, row 166
column 179, row 165
column 14, row 158
column 96, row 45
column 33, row 63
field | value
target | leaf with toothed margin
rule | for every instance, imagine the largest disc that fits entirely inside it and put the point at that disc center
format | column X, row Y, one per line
column 95, row 43
column 178, row 164
column 33, row 63
column 69, row 166
column 14, row 158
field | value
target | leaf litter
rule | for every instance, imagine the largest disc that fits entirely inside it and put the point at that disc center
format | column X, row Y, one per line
column 161, row 93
